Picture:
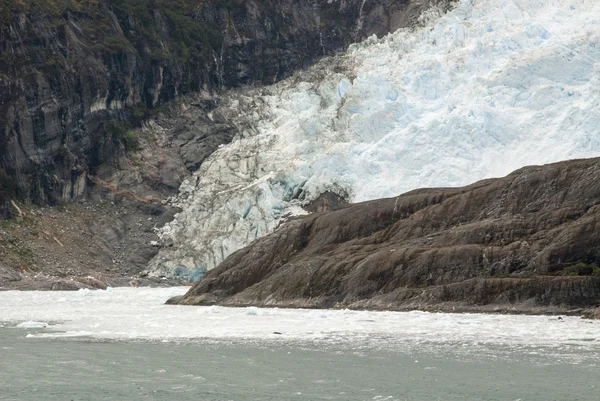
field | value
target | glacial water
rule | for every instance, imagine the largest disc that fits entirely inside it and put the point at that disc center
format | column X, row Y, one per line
column 124, row 344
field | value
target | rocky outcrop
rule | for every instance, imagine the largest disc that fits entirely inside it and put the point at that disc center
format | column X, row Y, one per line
column 8, row 274
column 69, row 68
column 528, row 242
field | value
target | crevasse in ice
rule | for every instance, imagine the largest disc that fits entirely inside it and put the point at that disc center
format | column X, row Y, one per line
column 489, row 87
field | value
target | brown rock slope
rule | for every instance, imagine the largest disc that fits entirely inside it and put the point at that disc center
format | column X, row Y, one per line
column 528, row 242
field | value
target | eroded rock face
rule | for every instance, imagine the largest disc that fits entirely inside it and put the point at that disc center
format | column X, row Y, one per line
column 65, row 72
column 499, row 244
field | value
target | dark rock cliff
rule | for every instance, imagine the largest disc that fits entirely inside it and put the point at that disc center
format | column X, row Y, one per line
column 75, row 74
column 527, row 242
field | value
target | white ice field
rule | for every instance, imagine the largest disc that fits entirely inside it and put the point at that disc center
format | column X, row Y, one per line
column 487, row 88
column 130, row 314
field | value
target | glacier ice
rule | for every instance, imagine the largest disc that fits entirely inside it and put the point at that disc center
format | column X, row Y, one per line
column 482, row 90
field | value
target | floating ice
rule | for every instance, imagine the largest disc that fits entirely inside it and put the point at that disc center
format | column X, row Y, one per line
column 32, row 325
column 68, row 334
column 487, row 88
column 84, row 292
column 140, row 313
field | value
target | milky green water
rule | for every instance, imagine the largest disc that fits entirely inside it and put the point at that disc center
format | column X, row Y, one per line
column 46, row 369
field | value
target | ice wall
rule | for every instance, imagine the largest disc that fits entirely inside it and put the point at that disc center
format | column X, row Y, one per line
column 489, row 87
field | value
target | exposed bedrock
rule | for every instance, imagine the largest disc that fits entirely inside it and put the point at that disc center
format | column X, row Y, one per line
column 528, row 242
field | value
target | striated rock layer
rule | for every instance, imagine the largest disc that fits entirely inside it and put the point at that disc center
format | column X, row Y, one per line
column 528, row 242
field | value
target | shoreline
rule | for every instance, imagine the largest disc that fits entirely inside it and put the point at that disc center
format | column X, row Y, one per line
column 454, row 308
column 45, row 283
column 75, row 284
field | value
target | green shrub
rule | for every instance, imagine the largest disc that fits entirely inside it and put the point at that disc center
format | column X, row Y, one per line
column 123, row 133
column 8, row 187
column 131, row 141
column 580, row 269
column 117, row 43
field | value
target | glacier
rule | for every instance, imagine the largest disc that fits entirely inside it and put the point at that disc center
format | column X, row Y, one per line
column 477, row 92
